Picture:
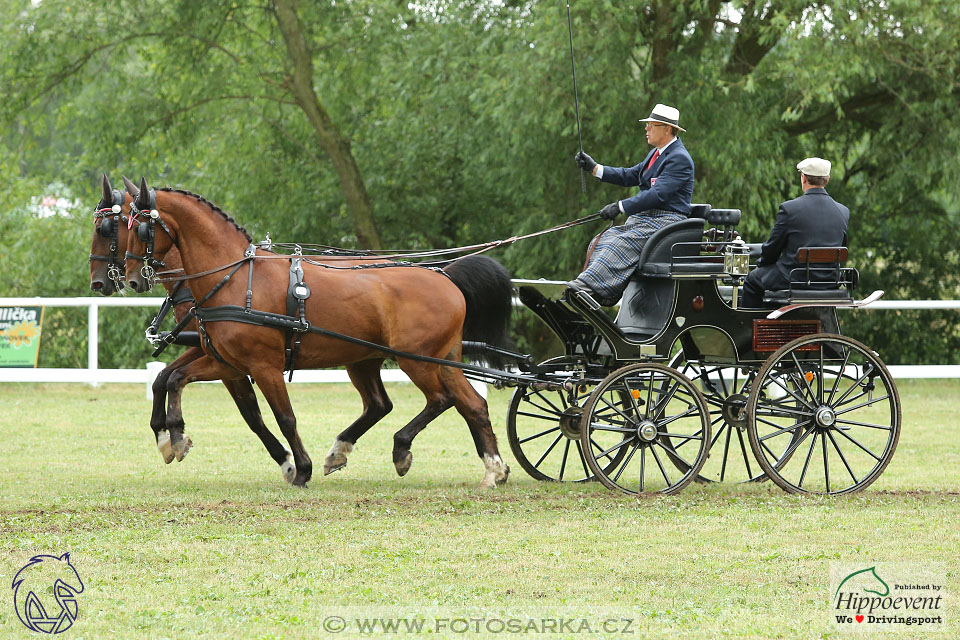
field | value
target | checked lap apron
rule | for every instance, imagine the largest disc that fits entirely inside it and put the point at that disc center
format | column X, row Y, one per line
column 618, row 250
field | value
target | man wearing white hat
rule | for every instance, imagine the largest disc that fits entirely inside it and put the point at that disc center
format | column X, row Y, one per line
column 812, row 220
column 665, row 178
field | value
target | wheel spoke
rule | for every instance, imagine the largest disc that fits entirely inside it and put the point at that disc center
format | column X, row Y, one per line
column 806, row 463
column 826, row 465
column 783, row 430
column 613, row 448
column 843, row 457
column 803, row 376
column 539, row 435
column 865, row 424
column 563, row 461
column 660, row 464
column 671, row 453
column 549, row 449
column 854, row 441
column 867, row 370
column 626, row 463
column 836, row 381
column 798, row 398
column 863, row 404
column 539, row 416
column 690, row 410
column 743, row 450
column 726, row 451
column 595, row 426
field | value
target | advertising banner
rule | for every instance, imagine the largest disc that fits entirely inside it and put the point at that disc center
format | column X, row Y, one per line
column 20, row 336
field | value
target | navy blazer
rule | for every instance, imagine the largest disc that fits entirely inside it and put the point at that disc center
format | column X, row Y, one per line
column 667, row 185
column 812, row 220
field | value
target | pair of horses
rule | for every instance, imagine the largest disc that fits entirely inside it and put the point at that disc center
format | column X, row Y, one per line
column 418, row 311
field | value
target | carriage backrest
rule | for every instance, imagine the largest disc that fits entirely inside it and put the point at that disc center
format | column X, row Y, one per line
column 660, row 248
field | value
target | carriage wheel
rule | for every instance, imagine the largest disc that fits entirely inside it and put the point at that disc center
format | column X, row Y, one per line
column 726, row 389
column 644, row 413
column 543, row 428
column 824, row 416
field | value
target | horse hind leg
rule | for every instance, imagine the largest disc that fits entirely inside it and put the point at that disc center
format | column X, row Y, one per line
column 365, row 376
column 474, row 410
column 427, row 379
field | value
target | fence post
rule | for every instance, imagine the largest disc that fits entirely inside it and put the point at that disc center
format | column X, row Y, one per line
column 93, row 317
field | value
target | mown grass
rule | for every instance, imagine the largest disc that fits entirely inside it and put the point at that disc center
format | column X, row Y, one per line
column 219, row 547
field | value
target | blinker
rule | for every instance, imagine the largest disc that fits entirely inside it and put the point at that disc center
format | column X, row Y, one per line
column 106, row 227
column 143, row 232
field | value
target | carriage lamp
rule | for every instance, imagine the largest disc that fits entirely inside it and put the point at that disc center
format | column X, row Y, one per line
column 697, row 303
column 736, row 258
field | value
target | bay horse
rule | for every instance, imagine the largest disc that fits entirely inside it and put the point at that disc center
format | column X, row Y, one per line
column 411, row 309
column 107, row 252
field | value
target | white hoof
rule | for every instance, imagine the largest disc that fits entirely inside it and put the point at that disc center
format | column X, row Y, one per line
column 403, row 465
column 163, row 444
column 182, row 447
column 496, row 472
column 337, row 458
column 288, row 470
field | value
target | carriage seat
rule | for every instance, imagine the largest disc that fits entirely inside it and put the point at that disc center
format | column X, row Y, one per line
column 820, row 278
column 648, row 299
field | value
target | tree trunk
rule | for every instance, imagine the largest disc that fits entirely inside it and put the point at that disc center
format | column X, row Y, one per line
column 335, row 145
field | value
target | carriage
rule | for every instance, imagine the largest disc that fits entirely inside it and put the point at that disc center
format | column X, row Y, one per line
column 682, row 385
column 686, row 385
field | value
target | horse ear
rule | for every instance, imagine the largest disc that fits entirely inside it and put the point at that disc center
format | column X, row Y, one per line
column 107, row 189
column 143, row 197
column 132, row 189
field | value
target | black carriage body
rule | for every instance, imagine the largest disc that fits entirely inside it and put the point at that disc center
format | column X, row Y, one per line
column 781, row 377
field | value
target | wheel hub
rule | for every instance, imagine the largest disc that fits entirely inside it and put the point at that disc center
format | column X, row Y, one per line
column 735, row 411
column 647, row 431
column 825, row 416
column 570, row 422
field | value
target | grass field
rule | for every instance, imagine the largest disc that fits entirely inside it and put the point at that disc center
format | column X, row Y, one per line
column 218, row 546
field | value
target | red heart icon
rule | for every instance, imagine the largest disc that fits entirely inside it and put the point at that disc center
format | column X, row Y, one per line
column 859, row 618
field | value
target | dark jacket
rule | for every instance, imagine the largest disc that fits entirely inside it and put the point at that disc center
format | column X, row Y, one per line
column 812, row 220
column 667, row 185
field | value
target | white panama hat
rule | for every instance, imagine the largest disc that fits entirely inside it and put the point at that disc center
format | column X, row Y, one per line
column 665, row 115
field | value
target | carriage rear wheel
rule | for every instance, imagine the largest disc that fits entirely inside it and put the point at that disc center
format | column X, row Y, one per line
column 726, row 389
column 645, row 415
column 824, row 416
column 543, row 428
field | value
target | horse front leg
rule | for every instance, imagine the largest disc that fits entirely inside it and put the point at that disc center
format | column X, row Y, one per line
column 274, row 390
column 158, row 417
column 365, row 377
column 246, row 400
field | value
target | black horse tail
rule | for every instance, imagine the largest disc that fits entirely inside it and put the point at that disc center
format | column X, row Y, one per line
column 486, row 286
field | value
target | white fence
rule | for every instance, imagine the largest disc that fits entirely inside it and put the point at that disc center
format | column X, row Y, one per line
column 95, row 375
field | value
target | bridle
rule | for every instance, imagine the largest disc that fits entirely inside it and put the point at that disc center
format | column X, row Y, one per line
column 146, row 233
column 110, row 219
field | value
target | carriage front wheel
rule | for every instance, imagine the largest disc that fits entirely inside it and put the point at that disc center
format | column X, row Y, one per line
column 824, row 416
column 654, row 421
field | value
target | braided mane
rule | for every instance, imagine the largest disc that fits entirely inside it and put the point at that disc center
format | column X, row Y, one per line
column 211, row 206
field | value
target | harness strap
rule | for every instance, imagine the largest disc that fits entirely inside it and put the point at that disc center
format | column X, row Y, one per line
column 234, row 313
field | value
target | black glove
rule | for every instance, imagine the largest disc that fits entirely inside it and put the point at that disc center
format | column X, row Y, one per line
column 584, row 161
column 611, row 211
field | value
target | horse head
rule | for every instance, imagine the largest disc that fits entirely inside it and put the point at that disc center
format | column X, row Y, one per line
column 109, row 238
column 149, row 241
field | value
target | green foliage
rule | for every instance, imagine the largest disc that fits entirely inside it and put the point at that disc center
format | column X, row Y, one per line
column 460, row 116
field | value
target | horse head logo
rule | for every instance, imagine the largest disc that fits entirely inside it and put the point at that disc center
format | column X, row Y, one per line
column 865, row 580
column 45, row 593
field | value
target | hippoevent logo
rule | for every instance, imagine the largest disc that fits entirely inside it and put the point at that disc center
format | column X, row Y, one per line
column 45, row 594
column 887, row 597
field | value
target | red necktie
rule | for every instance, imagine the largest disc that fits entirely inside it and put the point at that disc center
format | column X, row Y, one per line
column 656, row 154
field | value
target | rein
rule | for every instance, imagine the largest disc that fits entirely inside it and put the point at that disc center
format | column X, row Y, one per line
column 344, row 254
